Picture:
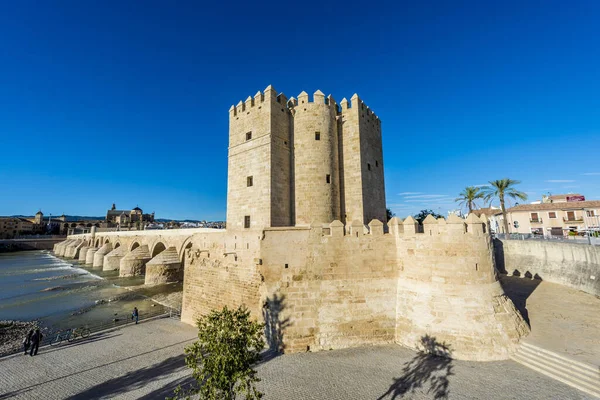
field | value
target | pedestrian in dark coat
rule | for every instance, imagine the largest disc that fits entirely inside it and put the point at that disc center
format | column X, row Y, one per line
column 135, row 315
column 36, row 338
column 27, row 341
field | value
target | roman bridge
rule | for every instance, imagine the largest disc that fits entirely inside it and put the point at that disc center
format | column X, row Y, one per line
column 159, row 255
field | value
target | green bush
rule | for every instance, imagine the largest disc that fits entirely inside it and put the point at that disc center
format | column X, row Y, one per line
column 229, row 344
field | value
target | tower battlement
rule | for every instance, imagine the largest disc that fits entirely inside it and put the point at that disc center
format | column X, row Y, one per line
column 316, row 161
column 258, row 100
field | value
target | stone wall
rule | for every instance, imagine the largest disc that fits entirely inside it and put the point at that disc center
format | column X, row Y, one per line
column 570, row 264
column 220, row 271
column 332, row 286
column 329, row 286
column 28, row 244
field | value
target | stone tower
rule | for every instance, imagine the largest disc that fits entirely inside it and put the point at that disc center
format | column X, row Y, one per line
column 39, row 217
column 361, row 172
column 300, row 162
column 316, row 159
column 259, row 165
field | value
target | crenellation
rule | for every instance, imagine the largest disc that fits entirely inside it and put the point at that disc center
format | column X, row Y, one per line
column 296, row 243
column 410, row 226
column 282, row 99
column 376, row 228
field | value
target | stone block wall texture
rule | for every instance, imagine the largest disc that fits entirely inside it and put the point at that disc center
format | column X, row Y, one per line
column 112, row 261
column 571, row 264
column 82, row 253
column 134, row 263
column 220, row 271
column 300, row 177
column 89, row 255
column 99, row 256
column 259, row 147
column 164, row 268
column 316, row 158
column 328, row 286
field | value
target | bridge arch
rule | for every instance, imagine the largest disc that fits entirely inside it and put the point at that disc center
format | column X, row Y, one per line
column 117, row 244
column 97, row 242
column 158, row 248
column 134, row 246
column 107, row 240
column 187, row 244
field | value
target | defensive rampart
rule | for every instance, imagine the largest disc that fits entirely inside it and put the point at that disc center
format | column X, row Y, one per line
column 329, row 286
column 570, row 264
column 333, row 286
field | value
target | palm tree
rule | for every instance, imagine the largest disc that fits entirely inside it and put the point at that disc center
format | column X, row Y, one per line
column 468, row 196
column 500, row 189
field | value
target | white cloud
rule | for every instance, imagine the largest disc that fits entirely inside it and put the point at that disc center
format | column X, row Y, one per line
column 427, row 196
column 408, row 193
column 482, row 185
column 559, row 181
column 591, row 173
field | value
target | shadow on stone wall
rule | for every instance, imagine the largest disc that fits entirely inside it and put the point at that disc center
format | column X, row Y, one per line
column 518, row 289
column 429, row 370
column 274, row 325
column 499, row 256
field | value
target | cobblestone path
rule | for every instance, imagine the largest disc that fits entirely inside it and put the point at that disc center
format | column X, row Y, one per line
column 146, row 361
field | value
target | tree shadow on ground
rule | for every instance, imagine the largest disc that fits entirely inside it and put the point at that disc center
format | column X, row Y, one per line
column 134, row 380
column 274, row 327
column 428, row 370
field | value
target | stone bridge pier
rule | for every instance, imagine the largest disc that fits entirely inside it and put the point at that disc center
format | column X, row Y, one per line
column 156, row 255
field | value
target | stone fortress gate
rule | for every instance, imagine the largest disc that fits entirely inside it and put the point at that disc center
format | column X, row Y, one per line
column 306, row 249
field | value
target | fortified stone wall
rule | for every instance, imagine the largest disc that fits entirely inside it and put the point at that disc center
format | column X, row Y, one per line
column 220, row 271
column 449, row 290
column 333, row 286
column 571, row 264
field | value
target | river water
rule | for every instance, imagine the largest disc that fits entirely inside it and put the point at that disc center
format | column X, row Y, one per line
column 36, row 285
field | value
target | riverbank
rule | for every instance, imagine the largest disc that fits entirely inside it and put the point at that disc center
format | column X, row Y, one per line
column 37, row 288
column 38, row 243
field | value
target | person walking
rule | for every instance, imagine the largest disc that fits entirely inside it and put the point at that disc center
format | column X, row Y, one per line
column 135, row 315
column 27, row 341
column 36, row 338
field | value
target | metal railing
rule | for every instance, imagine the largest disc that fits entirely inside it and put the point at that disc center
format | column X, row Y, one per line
column 117, row 322
column 567, row 239
column 572, row 220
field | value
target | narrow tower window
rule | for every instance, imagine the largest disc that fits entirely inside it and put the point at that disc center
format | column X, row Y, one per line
column 368, row 166
column 249, row 181
column 328, row 178
column 317, row 135
column 376, row 163
column 248, row 135
column 247, row 221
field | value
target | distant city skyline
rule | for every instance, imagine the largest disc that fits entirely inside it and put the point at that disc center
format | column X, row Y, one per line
column 130, row 104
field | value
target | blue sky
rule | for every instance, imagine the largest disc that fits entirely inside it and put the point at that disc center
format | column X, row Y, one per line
column 104, row 102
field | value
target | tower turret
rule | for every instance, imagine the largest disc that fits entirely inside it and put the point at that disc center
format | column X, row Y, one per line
column 316, row 160
column 259, row 166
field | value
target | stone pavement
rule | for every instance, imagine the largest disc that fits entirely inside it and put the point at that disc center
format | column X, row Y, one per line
column 146, row 361
column 562, row 319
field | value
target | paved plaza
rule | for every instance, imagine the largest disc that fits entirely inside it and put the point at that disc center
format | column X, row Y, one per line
column 146, row 362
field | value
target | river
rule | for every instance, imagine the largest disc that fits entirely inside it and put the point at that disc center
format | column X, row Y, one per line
column 36, row 285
